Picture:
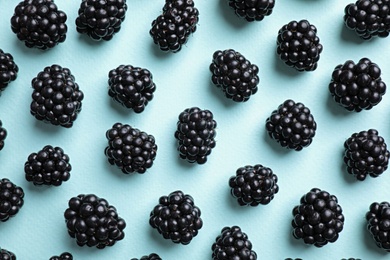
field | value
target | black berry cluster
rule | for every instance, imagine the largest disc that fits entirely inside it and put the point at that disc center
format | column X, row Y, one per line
column 253, row 10
column 152, row 256
column 63, row 256
column 378, row 223
column 7, row 255
column 3, row 135
column 11, row 199
column 8, row 69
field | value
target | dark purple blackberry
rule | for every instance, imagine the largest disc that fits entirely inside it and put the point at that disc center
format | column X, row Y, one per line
column 318, row 220
column 252, row 10
column 357, row 86
column 92, row 221
column 195, row 134
column 39, row 24
column 11, row 199
column 234, row 75
column 254, row 185
column 378, row 223
column 101, row 19
column 132, row 87
column 63, row 256
column 49, row 166
column 56, row 96
column 3, row 135
column 171, row 30
column 292, row 125
column 299, row 46
column 8, row 69
column 7, row 255
column 176, row 217
column 149, row 257
column 232, row 243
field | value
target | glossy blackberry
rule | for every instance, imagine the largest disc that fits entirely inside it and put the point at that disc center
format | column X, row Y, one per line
column 3, row 135
column 149, row 257
column 357, row 86
column 292, row 125
column 7, row 255
column 8, row 69
column 63, row 256
column 299, row 46
column 11, row 199
column 132, row 87
column 254, row 185
column 57, row 98
column 378, row 223
column 171, row 30
column 318, row 220
column 92, row 221
column 39, row 24
column 232, row 243
column 130, row 149
column 176, row 217
column 101, row 19
column 234, row 75
column 252, row 10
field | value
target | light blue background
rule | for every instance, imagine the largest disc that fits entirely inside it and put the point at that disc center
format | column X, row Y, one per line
column 183, row 80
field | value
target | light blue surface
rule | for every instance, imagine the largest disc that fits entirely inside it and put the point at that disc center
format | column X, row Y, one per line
column 183, row 80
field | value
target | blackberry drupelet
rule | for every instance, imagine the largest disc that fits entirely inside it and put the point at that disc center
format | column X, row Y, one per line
column 92, row 221
column 176, row 217
column 130, row 149
column 132, row 87
column 63, row 256
column 234, row 75
column 357, row 86
column 318, row 219
column 252, row 10
column 292, row 125
column 232, row 243
column 149, row 257
column 8, row 69
column 39, row 24
column 56, row 96
column 378, row 222
column 171, row 30
column 3, row 135
column 254, row 185
column 299, row 46
column 101, row 19
column 7, row 255
column 11, row 199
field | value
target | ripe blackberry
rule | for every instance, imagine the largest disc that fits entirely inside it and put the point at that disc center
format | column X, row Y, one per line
column 8, row 69
column 130, row 149
column 378, row 223
column 49, row 166
column 357, row 86
column 132, row 87
column 254, row 185
column 56, row 96
column 101, row 19
column 292, row 125
column 232, row 243
column 171, row 30
column 252, row 10
column 176, row 217
column 318, row 219
column 149, row 257
column 39, row 24
column 63, row 256
column 3, row 135
column 299, row 46
column 234, row 75
column 7, row 255
column 11, row 199
column 92, row 221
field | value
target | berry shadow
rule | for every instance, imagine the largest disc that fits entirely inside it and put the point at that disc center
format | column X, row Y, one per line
column 215, row 91
column 158, row 239
column 348, row 178
column 123, row 111
column 282, row 68
column 348, row 35
column 274, row 145
column 236, row 208
column 30, row 52
column 159, row 54
column 114, row 170
column 369, row 242
column 335, row 108
column 230, row 17
column 85, row 39
column 47, row 127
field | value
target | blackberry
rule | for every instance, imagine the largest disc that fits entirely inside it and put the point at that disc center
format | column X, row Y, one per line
column 101, row 19
column 149, row 257
column 3, row 135
column 254, row 185
column 292, row 125
column 171, row 30
column 130, row 149
column 49, row 166
column 63, row 256
column 7, row 255
column 234, row 75
column 176, row 217
column 378, row 222
column 252, row 10
column 132, row 87
column 357, row 86
column 92, row 221
column 39, row 24
column 299, row 46
column 11, row 199
column 195, row 134
column 56, row 96
column 232, row 243
column 8, row 69
column 318, row 219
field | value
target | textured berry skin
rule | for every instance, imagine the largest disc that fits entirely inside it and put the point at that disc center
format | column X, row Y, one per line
column 63, row 256
column 232, row 243
column 252, row 10
column 93, row 222
column 357, row 86
column 11, row 199
column 299, row 46
column 292, row 125
column 132, row 87
column 318, row 220
column 130, row 149
column 152, row 256
column 101, row 19
column 176, row 217
column 195, row 134
column 49, row 166
column 234, row 75
column 39, row 24
column 378, row 221
column 253, row 185
column 171, row 30
column 7, row 255
column 8, row 69
column 3, row 135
